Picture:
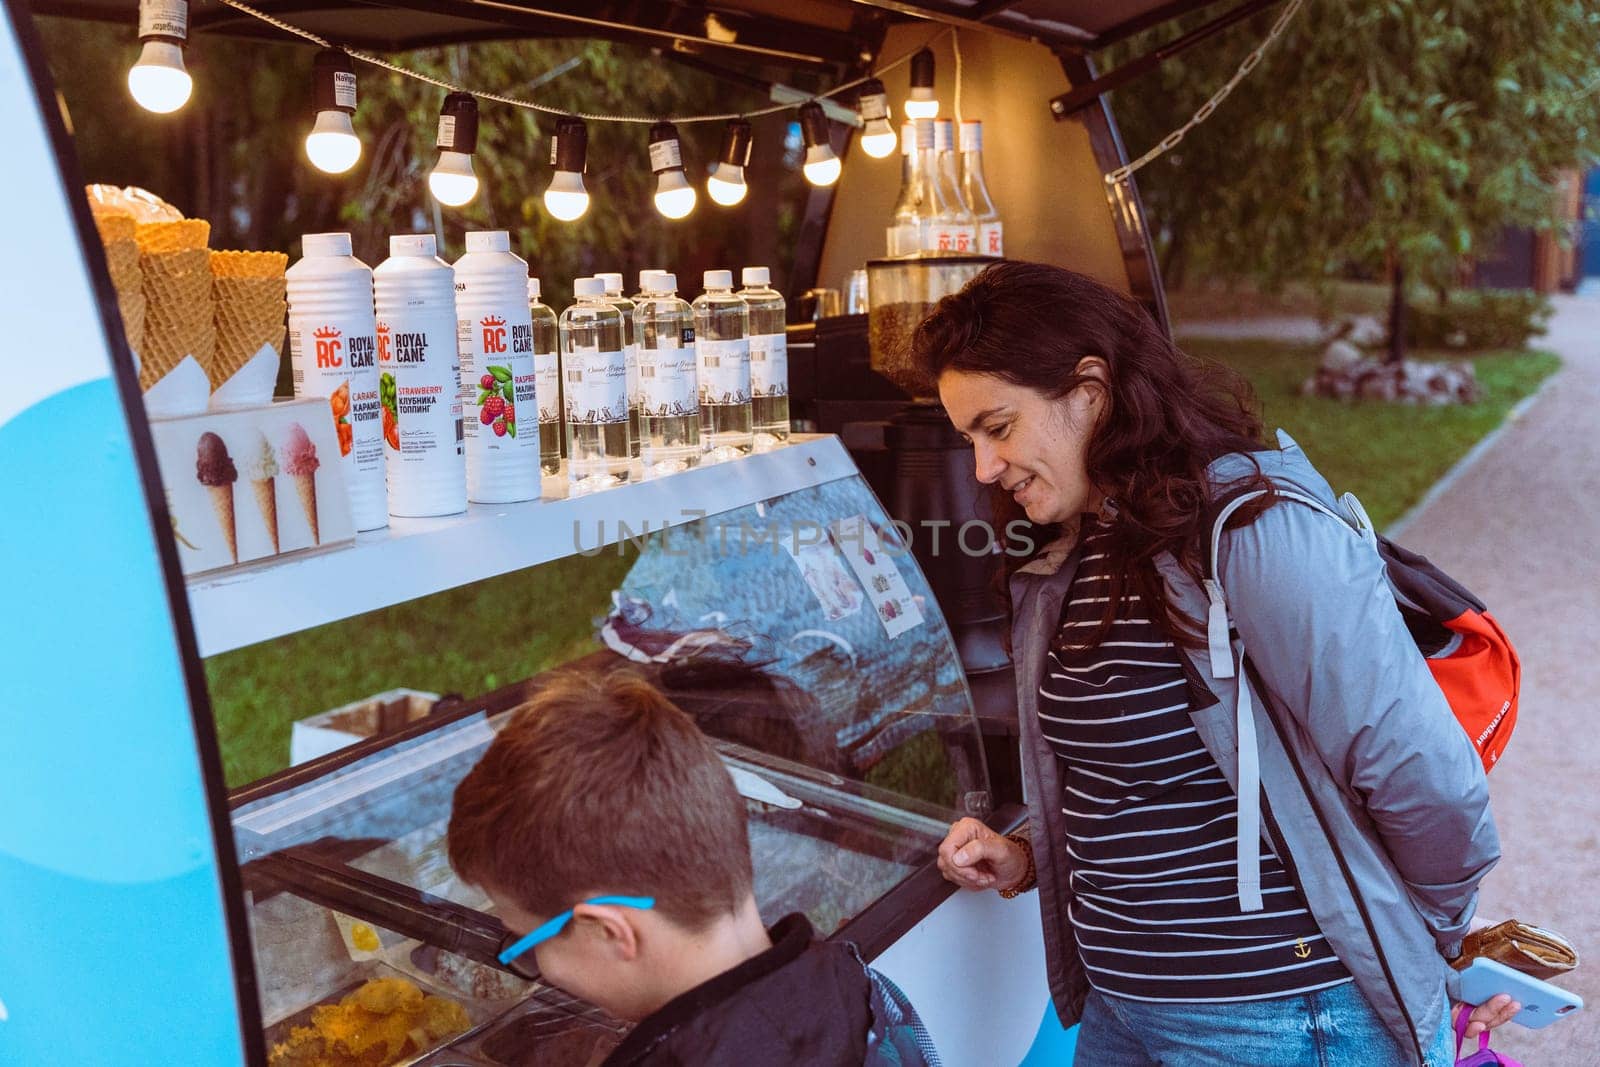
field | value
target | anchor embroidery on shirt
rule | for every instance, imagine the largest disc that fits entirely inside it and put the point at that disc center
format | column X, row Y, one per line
column 1302, row 950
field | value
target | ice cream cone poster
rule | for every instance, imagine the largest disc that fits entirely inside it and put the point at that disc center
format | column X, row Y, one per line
column 253, row 485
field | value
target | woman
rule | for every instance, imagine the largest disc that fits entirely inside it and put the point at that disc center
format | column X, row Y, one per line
column 1166, row 939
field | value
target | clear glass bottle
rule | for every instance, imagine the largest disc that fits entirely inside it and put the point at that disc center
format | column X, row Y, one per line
column 991, row 233
column 594, row 375
column 613, row 282
column 722, row 357
column 936, row 216
column 962, row 237
column 669, row 410
column 769, row 358
column 547, row 376
column 905, row 226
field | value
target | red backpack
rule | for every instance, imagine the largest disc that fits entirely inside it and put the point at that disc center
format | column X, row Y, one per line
column 1470, row 656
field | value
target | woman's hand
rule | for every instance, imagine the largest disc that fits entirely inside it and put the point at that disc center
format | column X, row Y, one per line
column 975, row 857
column 1496, row 1011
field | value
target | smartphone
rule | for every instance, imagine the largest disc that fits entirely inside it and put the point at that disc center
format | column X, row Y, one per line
column 1542, row 1003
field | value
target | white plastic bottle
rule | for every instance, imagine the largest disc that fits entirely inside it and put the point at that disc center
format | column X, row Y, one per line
column 630, row 350
column 594, row 373
column 547, row 371
column 419, row 374
column 499, row 402
column 668, row 381
column 333, row 346
column 722, row 353
column 769, row 357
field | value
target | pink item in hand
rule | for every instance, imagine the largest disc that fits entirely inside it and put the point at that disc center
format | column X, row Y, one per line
column 299, row 454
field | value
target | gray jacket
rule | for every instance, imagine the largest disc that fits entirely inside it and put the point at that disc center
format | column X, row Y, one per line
column 1371, row 793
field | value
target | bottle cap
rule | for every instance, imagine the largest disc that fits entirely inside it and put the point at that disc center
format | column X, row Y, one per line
column 717, row 279
column 413, row 244
column 326, row 244
column 756, row 277
column 645, row 275
column 488, row 241
column 588, row 287
column 613, row 282
column 666, row 282
column 533, row 288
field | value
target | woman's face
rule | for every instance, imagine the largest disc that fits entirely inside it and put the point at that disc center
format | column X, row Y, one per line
column 1033, row 446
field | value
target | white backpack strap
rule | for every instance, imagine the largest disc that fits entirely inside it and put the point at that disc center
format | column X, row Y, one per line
column 1247, row 845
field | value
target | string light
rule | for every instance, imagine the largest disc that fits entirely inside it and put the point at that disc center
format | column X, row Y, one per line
column 332, row 145
column 726, row 184
column 877, row 136
column 452, row 181
column 158, row 80
column 675, row 197
column 822, row 166
column 922, row 104
column 566, row 198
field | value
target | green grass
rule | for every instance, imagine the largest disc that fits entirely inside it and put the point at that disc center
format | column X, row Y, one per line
column 1389, row 455
column 467, row 640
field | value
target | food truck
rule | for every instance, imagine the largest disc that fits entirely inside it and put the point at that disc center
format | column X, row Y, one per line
column 853, row 677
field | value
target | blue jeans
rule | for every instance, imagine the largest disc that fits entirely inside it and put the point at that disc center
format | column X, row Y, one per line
column 1330, row 1028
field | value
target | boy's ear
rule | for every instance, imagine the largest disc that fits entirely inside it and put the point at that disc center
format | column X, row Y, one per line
column 610, row 925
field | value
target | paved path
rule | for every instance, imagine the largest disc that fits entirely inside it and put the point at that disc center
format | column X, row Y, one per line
column 1519, row 524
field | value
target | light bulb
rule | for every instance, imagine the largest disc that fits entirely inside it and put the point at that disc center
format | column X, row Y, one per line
column 726, row 184
column 675, row 197
column 822, row 166
column 922, row 109
column 158, row 81
column 878, row 140
column 922, row 104
column 332, row 144
column 566, row 198
column 452, row 181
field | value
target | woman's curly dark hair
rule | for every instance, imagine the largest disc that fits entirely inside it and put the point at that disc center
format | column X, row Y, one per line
column 1169, row 414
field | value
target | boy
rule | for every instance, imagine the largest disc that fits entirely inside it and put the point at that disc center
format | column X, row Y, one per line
column 602, row 821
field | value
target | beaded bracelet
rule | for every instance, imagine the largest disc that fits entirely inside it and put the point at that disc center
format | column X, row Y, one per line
column 1030, row 877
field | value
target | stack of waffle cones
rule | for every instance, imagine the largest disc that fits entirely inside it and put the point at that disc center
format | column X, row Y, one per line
column 177, row 288
column 249, row 297
column 117, row 230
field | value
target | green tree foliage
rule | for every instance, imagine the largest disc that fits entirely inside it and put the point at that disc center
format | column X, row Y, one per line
column 1394, row 138
column 234, row 155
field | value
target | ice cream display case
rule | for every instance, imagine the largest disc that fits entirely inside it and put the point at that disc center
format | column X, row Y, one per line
column 780, row 610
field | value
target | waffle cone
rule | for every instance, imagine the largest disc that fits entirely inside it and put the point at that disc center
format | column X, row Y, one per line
column 267, row 501
column 248, row 265
column 222, row 504
column 192, row 263
column 131, row 303
column 249, row 313
column 122, row 262
column 178, row 316
column 173, row 236
column 306, row 486
column 234, row 350
column 114, row 225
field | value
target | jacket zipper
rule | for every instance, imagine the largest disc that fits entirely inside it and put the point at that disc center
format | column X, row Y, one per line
column 1344, row 868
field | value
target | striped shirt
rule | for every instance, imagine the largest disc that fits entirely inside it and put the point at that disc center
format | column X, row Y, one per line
column 1151, row 822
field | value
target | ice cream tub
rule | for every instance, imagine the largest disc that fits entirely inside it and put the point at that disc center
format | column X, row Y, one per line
column 252, row 484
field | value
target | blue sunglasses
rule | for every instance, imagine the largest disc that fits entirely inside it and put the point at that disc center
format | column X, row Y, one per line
column 559, row 923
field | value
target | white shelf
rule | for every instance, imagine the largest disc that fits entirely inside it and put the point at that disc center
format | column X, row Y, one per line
column 415, row 557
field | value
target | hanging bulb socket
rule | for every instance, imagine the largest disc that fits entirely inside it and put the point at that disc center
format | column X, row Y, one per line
column 458, row 124
column 922, row 104
column 675, row 197
column 821, row 166
column 334, row 81
column 726, row 183
column 159, row 81
column 566, row 198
